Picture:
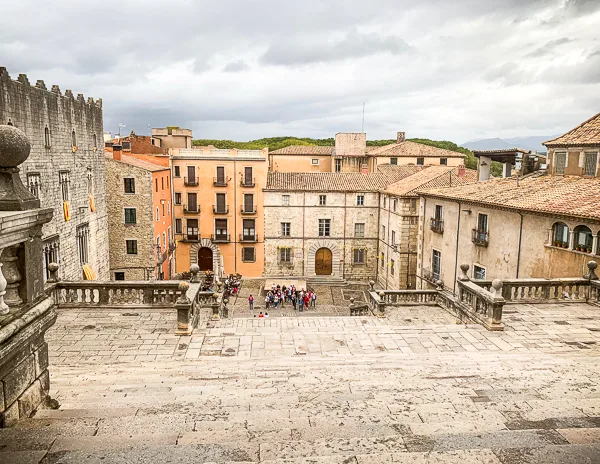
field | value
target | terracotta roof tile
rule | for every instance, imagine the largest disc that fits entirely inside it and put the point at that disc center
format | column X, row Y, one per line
column 303, row 150
column 503, row 150
column 138, row 163
column 432, row 177
column 586, row 133
column 564, row 195
column 414, row 149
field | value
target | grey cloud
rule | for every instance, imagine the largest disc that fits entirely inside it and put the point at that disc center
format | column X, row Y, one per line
column 352, row 45
column 548, row 48
column 236, row 66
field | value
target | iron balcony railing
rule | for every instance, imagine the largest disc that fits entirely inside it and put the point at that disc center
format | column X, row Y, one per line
column 190, row 181
column 437, row 225
column 243, row 210
column 248, row 238
column 247, row 182
column 220, row 181
column 480, row 237
column 194, row 237
column 191, row 209
column 220, row 238
column 220, row 209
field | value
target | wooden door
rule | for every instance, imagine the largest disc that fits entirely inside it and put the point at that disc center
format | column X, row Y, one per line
column 323, row 262
column 205, row 259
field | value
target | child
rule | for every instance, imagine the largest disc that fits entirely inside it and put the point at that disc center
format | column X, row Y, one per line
column 266, row 314
column 251, row 302
column 261, row 314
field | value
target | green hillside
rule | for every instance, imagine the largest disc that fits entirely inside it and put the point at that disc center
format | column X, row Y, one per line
column 275, row 143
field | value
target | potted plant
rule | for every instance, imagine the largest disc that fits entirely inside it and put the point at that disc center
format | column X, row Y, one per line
column 564, row 244
column 588, row 249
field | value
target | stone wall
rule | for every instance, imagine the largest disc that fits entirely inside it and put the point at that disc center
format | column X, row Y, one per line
column 33, row 109
column 135, row 267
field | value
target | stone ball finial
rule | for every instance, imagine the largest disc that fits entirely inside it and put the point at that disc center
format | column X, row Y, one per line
column 382, row 294
column 53, row 267
column 352, row 300
column 183, row 286
column 464, row 267
column 591, row 275
column 439, row 284
column 497, row 284
column 592, row 265
column 14, row 146
column 194, row 268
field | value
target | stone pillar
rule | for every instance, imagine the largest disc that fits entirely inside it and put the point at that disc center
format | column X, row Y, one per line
column 3, row 306
column 12, row 275
column 506, row 170
column 483, row 168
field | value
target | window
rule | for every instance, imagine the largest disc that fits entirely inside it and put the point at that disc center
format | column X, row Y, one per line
column 392, row 266
column 178, row 226
column 83, row 238
column 131, row 247
column 177, row 172
column 438, row 212
column 221, row 228
column 126, row 145
column 90, row 181
column 560, row 235
column 64, row 184
column 315, row 161
column 360, row 200
column 285, row 229
column 420, row 161
column 358, row 256
column 95, row 142
column 191, row 175
column 130, row 216
column 560, row 162
column 394, row 161
column 177, row 198
column 359, row 230
column 169, row 234
column 168, row 207
column 482, row 223
column 129, row 183
column 248, row 176
column 248, row 202
column 192, row 229
column 394, row 205
column 221, row 207
column 338, row 165
column 383, row 232
column 583, row 239
column 220, row 174
column 384, row 202
column 285, row 200
column 156, row 184
column 436, row 264
column 248, row 229
column 192, row 202
column 167, row 181
column 119, row 276
column 322, row 200
column 157, row 214
column 393, row 237
column 590, row 162
column 73, row 138
column 248, row 255
column 324, row 227
column 478, row 272
column 47, row 137
column 413, row 205
column 162, row 183
column 381, row 260
column 444, row 161
column 51, row 254
column 285, row 255
column 163, row 208
column 33, row 182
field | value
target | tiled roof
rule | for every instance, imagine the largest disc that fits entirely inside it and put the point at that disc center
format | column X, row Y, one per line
column 414, row 150
column 336, row 181
column 138, row 163
column 303, row 150
column 503, row 150
column 432, row 177
column 587, row 133
column 564, row 195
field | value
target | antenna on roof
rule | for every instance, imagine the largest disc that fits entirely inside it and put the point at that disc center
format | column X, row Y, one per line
column 362, row 129
column 121, row 126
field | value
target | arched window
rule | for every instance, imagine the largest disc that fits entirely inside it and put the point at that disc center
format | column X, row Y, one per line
column 73, row 138
column 9, row 123
column 560, row 235
column 95, row 141
column 583, row 239
column 47, row 137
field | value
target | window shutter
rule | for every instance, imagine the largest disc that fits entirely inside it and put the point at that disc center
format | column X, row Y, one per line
column 248, row 202
column 220, row 174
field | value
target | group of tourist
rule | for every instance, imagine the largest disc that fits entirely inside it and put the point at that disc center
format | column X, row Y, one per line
column 279, row 295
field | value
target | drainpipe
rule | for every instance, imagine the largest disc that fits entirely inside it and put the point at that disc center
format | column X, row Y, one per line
column 456, row 256
column 519, row 251
column 344, row 246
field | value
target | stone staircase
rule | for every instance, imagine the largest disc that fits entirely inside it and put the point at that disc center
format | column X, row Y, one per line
column 331, row 281
column 447, row 408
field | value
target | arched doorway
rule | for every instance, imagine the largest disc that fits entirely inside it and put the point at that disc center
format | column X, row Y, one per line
column 323, row 261
column 205, row 259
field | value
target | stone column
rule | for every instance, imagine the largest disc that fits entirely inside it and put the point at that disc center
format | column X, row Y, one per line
column 506, row 169
column 3, row 306
column 12, row 275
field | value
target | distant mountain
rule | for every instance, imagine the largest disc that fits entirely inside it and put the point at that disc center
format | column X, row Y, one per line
column 528, row 143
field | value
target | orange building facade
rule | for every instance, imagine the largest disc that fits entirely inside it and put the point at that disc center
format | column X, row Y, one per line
column 163, row 222
column 218, row 209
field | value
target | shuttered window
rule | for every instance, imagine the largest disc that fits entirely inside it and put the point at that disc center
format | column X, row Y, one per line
column 248, row 202
column 248, row 254
column 221, row 174
column 591, row 160
column 560, row 161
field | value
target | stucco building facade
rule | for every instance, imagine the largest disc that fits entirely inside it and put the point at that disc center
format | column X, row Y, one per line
column 65, row 170
column 218, row 209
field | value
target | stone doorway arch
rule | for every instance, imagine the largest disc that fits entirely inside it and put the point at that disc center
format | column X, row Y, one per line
column 323, row 262
column 216, row 255
column 205, row 259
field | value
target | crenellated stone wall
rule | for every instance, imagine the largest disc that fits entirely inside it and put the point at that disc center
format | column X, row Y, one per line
column 49, row 118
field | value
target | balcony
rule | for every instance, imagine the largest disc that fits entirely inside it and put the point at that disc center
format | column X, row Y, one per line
column 191, row 209
column 220, row 209
column 247, row 211
column 247, row 182
column 191, row 237
column 245, row 238
column 220, row 238
column 220, row 181
column 190, row 181
column 437, row 225
column 480, row 237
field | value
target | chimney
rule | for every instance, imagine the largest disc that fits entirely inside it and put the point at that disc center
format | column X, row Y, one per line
column 117, row 152
column 401, row 137
column 461, row 171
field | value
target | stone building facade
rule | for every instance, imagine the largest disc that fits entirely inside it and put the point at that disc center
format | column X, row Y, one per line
column 140, row 221
column 65, row 170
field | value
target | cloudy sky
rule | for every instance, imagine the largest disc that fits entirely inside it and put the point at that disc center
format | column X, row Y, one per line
column 243, row 69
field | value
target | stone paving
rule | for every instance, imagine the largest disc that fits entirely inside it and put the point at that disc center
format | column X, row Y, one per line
column 415, row 387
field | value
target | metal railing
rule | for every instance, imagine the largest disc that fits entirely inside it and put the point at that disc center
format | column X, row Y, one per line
column 248, row 238
column 247, row 182
column 480, row 237
column 220, row 181
column 243, row 210
column 217, row 209
column 220, row 238
column 189, row 209
column 437, row 225
column 190, row 181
